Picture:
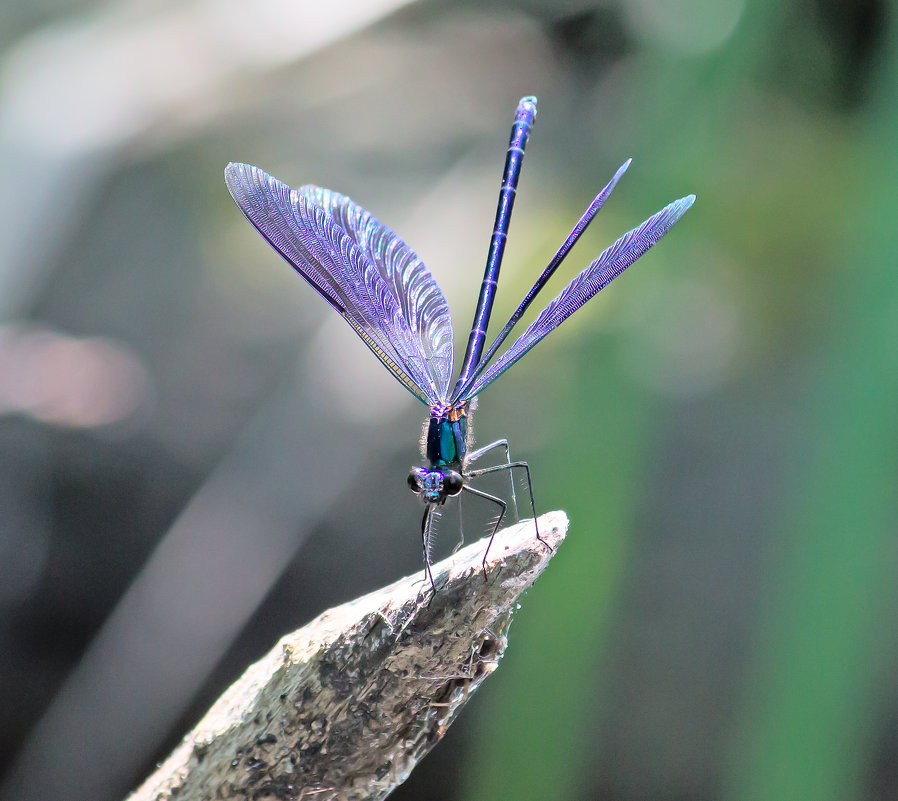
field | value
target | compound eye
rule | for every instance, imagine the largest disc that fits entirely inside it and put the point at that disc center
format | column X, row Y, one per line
column 453, row 483
column 415, row 479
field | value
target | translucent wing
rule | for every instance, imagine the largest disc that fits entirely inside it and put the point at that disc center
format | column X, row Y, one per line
column 613, row 261
column 421, row 302
column 362, row 268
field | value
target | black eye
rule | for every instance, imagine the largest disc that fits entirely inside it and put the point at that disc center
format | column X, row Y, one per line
column 452, row 483
column 414, row 479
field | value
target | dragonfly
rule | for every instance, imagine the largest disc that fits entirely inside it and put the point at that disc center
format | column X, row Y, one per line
column 380, row 286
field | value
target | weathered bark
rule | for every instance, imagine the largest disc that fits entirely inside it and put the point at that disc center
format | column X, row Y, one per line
column 345, row 707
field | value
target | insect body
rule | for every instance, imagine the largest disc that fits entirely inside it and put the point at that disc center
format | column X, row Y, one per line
column 384, row 291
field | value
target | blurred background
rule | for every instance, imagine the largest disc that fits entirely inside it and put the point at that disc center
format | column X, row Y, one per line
column 197, row 455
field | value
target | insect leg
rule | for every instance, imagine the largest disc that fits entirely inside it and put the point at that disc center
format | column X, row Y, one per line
column 499, row 443
column 510, row 466
column 502, row 505
column 461, row 529
column 425, row 543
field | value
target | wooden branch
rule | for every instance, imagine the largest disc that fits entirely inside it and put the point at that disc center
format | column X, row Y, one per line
column 345, row 707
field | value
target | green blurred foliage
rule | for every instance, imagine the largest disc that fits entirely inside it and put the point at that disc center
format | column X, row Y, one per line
column 787, row 155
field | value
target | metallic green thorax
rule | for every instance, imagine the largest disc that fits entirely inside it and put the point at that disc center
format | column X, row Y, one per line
column 447, row 435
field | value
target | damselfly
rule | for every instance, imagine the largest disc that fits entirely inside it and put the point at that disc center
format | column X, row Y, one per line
column 382, row 289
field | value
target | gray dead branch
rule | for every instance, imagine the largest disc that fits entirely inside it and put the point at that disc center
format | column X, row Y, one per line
column 346, row 706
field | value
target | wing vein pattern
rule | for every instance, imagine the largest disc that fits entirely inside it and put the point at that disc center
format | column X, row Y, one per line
column 613, row 261
column 362, row 269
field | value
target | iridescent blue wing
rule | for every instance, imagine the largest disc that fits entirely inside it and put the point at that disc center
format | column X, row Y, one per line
column 613, row 261
column 422, row 305
column 362, row 268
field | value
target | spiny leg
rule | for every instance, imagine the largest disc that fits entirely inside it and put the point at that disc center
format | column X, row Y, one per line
column 425, row 543
column 499, row 443
column 502, row 505
column 461, row 530
column 510, row 466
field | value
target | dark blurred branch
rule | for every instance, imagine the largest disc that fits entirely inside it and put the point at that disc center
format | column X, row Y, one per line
column 345, row 707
